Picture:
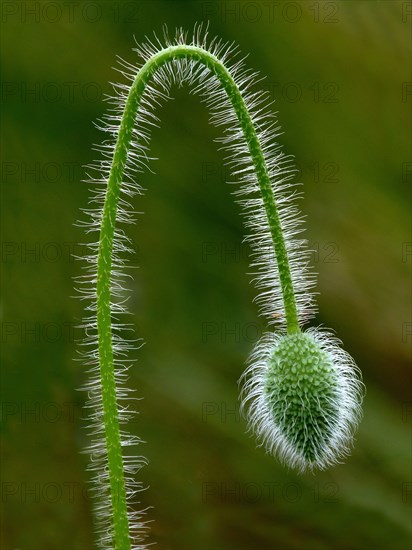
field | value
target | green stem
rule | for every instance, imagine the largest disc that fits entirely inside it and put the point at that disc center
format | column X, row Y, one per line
column 110, row 414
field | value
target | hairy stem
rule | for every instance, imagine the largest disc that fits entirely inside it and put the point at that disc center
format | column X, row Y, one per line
column 110, row 415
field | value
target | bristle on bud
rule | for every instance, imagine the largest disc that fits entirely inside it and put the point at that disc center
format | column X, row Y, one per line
column 303, row 395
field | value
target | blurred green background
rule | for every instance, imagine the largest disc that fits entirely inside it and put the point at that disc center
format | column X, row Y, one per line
column 340, row 74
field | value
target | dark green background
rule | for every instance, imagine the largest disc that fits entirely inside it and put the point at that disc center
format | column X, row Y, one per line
column 339, row 74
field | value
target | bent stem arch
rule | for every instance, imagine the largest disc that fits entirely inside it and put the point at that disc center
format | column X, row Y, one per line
column 120, row 524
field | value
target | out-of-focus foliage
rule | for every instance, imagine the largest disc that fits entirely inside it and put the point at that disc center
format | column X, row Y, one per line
column 339, row 74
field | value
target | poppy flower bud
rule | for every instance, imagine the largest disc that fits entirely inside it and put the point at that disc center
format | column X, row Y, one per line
column 304, row 397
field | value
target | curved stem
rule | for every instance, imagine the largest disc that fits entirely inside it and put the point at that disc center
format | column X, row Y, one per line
column 110, row 415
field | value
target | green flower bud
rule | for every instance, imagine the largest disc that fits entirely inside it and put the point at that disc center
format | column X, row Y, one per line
column 304, row 396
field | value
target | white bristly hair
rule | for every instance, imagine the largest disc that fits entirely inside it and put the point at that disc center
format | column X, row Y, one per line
column 264, row 265
column 346, row 401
